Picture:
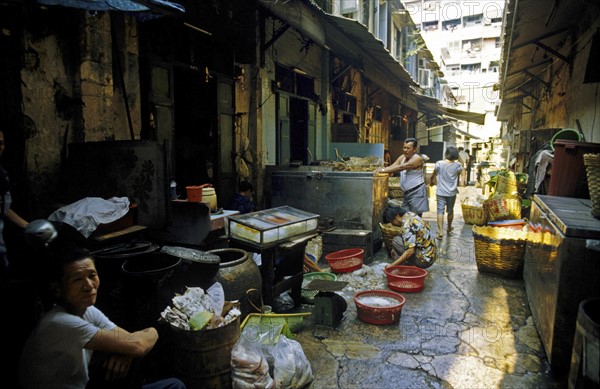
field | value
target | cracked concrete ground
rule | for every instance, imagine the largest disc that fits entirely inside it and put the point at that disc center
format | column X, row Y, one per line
column 464, row 330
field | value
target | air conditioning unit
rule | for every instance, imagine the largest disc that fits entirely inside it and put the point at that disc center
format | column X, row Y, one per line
column 348, row 6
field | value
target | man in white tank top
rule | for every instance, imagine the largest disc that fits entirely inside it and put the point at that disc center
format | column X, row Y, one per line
column 412, row 180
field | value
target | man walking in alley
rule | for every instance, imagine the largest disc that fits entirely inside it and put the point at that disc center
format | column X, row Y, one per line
column 464, row 159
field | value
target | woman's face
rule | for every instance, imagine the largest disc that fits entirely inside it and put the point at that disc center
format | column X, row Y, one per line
column 79, row 285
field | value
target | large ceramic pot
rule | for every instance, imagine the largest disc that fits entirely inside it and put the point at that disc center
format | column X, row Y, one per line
column 197, row 269
column 239, row 274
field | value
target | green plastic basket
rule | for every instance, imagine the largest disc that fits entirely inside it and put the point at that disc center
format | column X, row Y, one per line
column 308, row 296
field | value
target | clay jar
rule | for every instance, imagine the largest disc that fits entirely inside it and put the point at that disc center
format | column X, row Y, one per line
column 238, row 274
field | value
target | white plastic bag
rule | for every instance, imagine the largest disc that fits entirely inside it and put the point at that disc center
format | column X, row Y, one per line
column 216, row 296
column 249, row 367
column 292, row 369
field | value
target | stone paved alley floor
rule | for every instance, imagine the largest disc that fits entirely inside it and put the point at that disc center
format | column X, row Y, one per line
column 464, row 330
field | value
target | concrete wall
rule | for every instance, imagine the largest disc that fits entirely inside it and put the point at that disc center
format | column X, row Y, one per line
column 568, row 98
column 287, row 51
column 70, row 94
column 45, row 84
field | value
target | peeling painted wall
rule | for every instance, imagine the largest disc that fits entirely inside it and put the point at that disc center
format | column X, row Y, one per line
column 104, row 96
column 45, row 82
column 72, row 94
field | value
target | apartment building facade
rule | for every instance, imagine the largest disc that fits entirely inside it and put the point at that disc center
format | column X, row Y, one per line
column 465, row 38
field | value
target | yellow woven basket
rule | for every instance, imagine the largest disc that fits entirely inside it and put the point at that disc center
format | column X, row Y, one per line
column 395, row 192
column 592, row 167
column 474, row 215
column 502, row 207
column 506, row 185
column 389, row 231
column 500, row 251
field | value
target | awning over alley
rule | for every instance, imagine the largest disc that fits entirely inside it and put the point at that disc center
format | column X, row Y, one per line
column 118, row 5
column 376, row 54
column 531, row 49
column 431, row 105
column 350, row 40
column 465, row 133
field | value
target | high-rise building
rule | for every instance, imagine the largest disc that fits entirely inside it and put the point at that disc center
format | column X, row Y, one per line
column 465, row 40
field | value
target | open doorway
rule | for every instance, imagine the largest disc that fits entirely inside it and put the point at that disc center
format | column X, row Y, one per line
column 299, row 130
column 195, row 135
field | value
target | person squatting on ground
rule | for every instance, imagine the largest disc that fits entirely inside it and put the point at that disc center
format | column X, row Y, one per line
column 60, row 348
column 412, row 177
column 242, row 201
column 415, row 245
column 446, row 173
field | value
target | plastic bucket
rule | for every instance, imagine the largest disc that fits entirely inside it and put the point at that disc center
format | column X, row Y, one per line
column 194, row 194
column 566, row 133
column 146, row 287
column 109, row 263
column 202, row 359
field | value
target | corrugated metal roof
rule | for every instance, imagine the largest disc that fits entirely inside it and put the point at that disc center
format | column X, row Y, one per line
column 373, row 49
column 114, row 5
column 349, row 40
column 427, row 103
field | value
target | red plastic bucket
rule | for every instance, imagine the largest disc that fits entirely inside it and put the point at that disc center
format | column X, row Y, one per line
column 194, row 194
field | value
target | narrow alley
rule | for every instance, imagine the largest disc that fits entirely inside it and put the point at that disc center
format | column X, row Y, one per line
column 464, row 330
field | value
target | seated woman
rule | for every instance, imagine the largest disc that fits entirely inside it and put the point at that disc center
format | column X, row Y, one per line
column 242, row 201
column 60, row 348
column 415, row 245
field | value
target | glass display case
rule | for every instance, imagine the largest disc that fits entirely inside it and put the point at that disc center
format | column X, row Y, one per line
column 272, row 225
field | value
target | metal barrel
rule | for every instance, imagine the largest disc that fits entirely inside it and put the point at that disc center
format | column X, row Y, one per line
column 202, row 359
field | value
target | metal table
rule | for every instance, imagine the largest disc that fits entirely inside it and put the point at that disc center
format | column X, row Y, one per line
column 282, row 266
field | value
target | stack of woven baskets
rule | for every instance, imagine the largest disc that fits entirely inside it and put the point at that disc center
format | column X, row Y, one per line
column 394, row 190
column 505, row 203
column 592, row 167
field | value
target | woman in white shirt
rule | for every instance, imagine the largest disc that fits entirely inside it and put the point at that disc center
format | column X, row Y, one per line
column 446, row 173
